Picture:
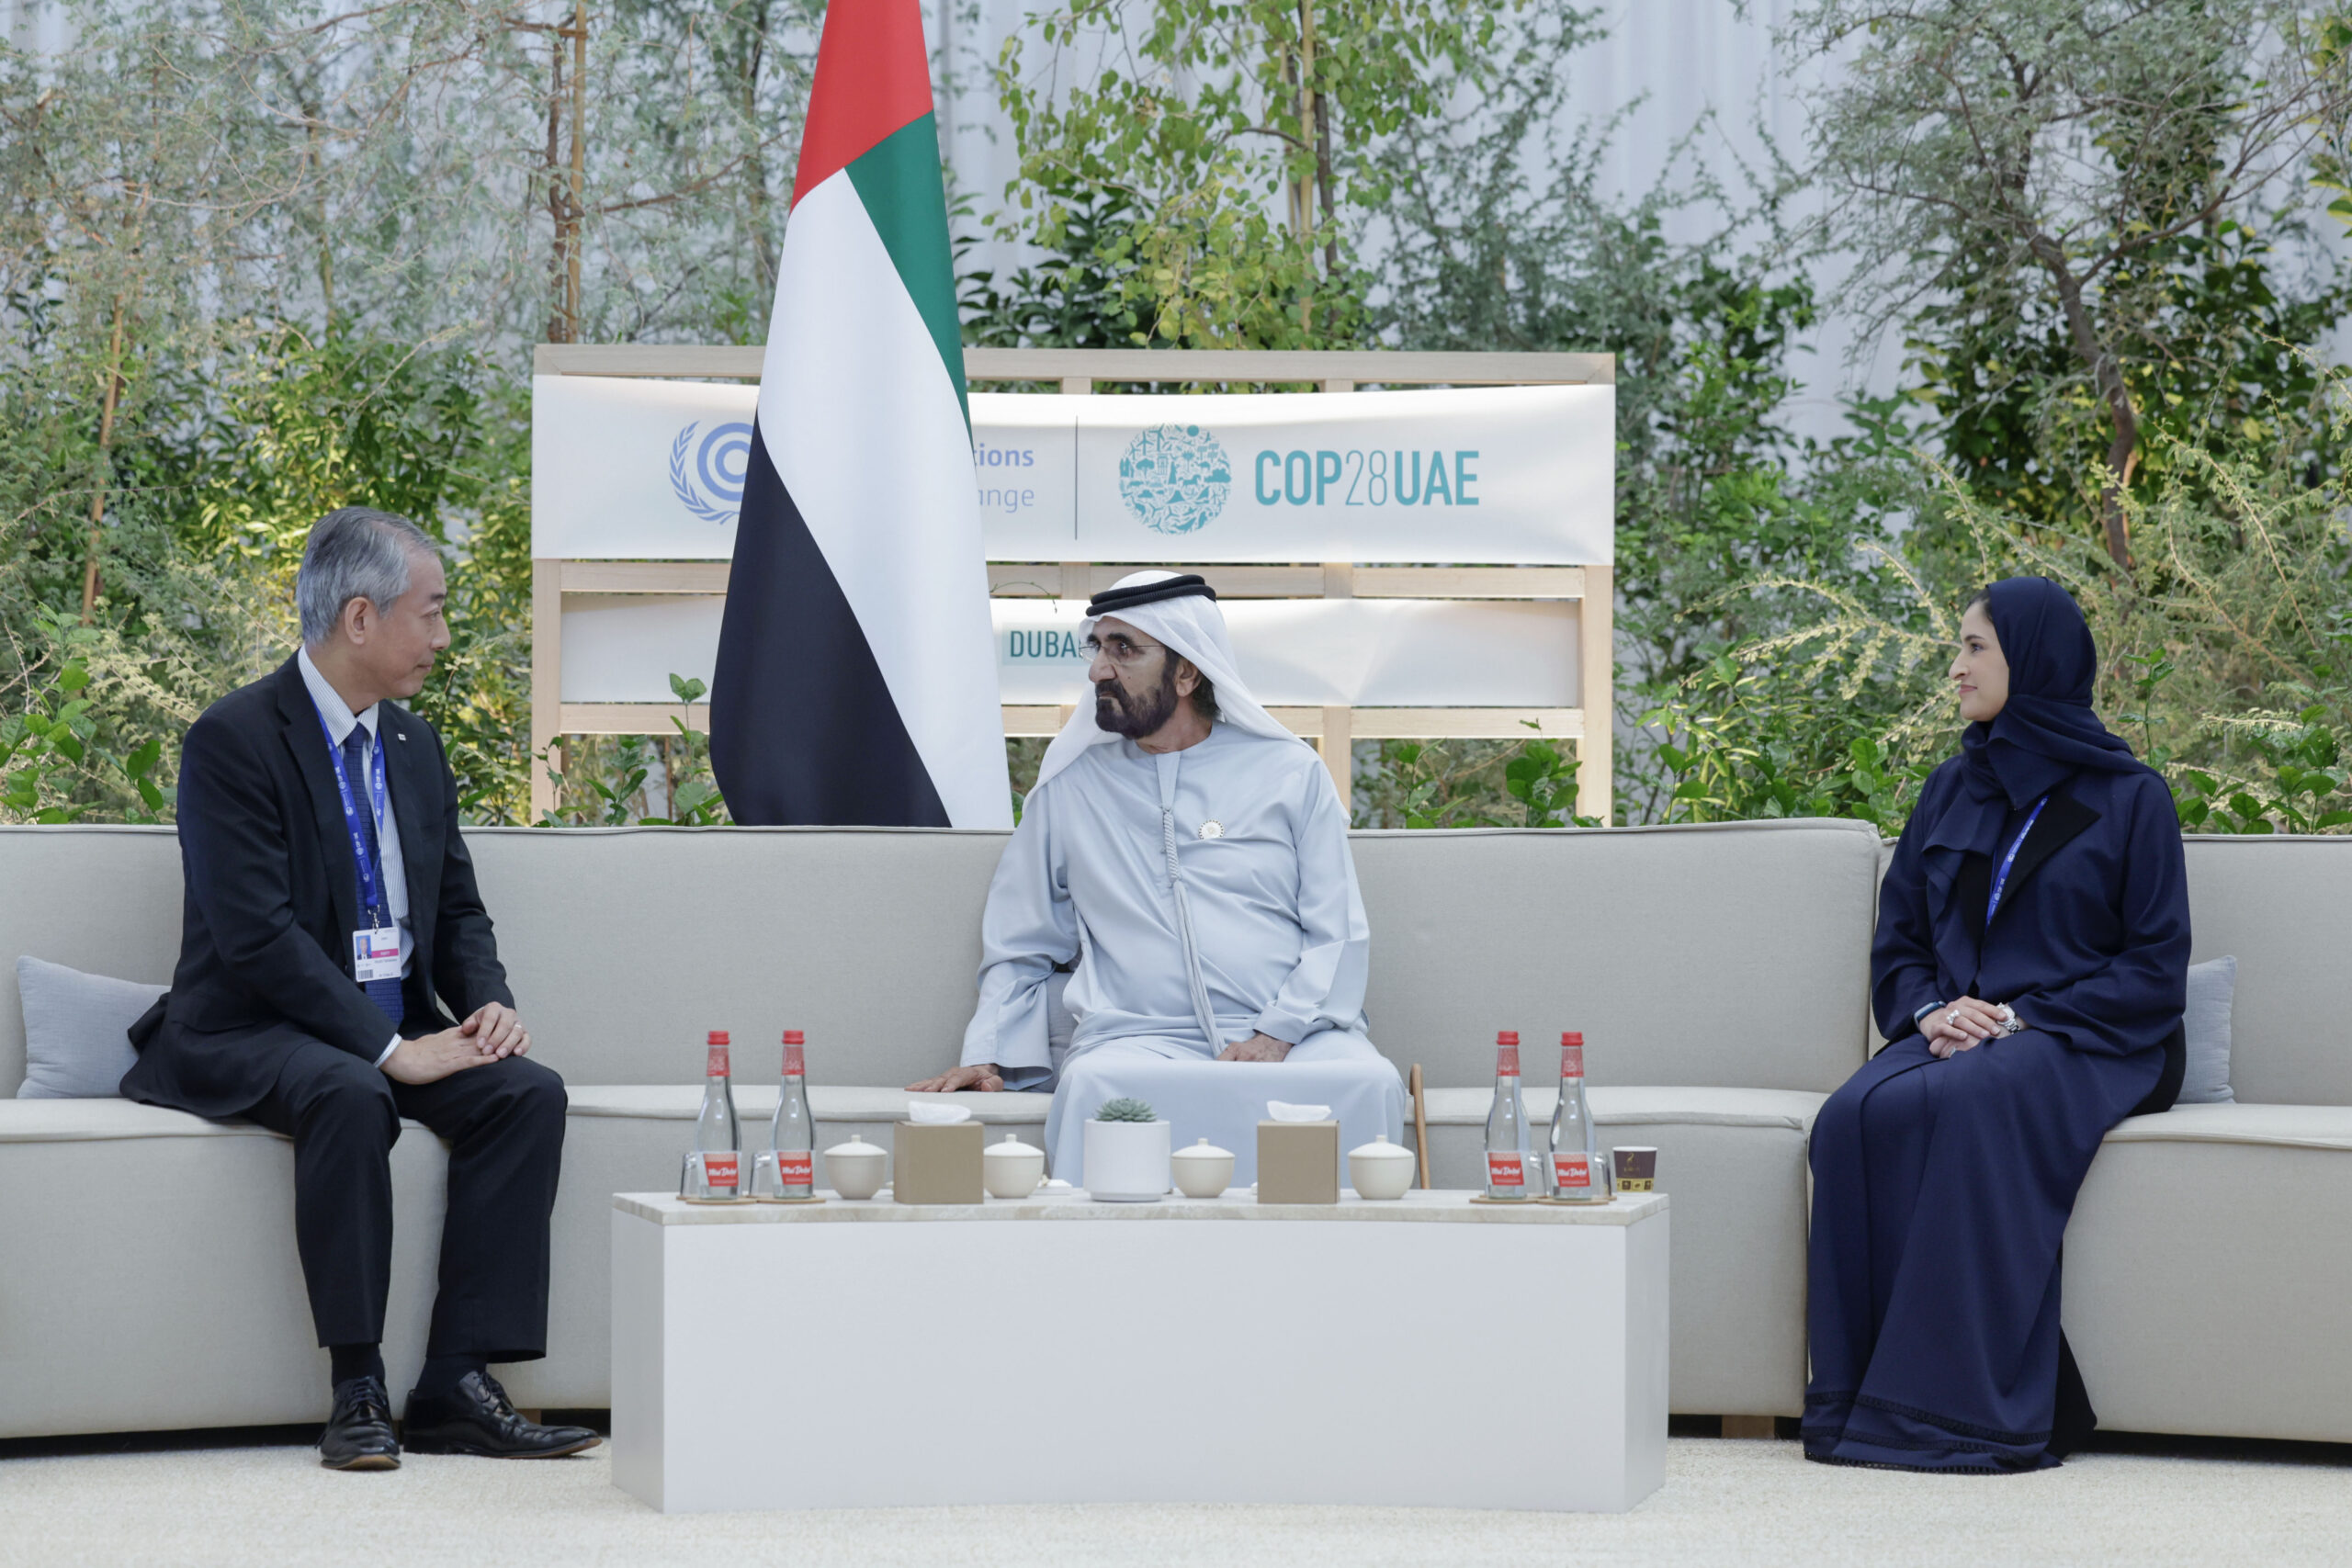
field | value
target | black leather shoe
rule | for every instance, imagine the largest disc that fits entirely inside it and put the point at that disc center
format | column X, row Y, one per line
column 476, row 1417
column 359, row 1432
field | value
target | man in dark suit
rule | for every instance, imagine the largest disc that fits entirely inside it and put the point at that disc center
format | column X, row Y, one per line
column 331, row 909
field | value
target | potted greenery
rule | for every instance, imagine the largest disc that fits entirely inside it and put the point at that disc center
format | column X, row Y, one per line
column 1127, row 1153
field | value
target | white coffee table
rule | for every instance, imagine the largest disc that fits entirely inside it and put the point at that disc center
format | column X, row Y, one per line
column 1433, row 1351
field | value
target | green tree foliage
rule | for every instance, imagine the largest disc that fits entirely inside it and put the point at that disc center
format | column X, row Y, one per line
column 2067, row 192
column 1204, row 153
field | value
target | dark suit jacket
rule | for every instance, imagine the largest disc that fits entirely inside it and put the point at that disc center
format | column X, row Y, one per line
column 272, row 898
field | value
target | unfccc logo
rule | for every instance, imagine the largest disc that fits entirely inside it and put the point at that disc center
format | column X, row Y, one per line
column 721, row 463
column 1175, row 478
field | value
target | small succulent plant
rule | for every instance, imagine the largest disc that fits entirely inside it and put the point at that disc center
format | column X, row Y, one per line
column 1124, row 1110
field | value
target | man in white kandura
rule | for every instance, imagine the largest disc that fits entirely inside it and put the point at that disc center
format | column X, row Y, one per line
column 1189, row 854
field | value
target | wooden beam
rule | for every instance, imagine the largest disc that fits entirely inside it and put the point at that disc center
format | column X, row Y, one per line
column 1596, row 656
column 1339, row 579
column 1037, row 719
column 632, row 719
column 1027, row 580
column 1469, row 582
column 547, row 677
column 1067, row 365
column 645, row 576
column 1338, row 746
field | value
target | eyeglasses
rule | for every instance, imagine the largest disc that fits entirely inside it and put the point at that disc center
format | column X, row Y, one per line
column 1119, row 649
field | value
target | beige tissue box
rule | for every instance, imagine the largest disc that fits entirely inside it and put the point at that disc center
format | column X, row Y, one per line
column 1299, row 1162
column 936, row 1164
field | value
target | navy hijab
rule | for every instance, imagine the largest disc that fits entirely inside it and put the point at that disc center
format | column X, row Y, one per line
column 2046, row 733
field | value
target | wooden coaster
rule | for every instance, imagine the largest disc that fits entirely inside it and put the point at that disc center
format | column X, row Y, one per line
column 808, row 1200
column 724, row 1202
column 1505, row 1202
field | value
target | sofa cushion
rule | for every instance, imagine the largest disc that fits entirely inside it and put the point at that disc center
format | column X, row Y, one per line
column 2206, row 1265
column 1731, row 1163
column 2282, row 905
column 866, row 939
column 832, row 1103
column 1664, row 945
column 105, row 900
column 77, row 1030
column 148, row 1273
column 2211, row 986
column 2275, row 1126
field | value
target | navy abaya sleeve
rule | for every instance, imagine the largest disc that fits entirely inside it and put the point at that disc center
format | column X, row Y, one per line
column 1902, row 955
column 2110, row 927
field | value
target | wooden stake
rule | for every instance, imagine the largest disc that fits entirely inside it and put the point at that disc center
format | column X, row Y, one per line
column 1421, row 1123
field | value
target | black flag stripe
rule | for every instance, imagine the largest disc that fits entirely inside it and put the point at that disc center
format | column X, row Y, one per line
column 803, row 728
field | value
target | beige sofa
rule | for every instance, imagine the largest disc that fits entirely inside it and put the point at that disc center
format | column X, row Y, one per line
column 147, row 1271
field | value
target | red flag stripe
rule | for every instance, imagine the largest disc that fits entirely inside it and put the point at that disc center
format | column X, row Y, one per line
column 873, row 77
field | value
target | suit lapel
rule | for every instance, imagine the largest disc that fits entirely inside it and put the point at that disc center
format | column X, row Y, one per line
column 2059, row 823
column 306, row 739
column 420, row 829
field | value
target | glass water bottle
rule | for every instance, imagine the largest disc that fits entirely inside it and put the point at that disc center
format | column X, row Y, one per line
column 714, row 1171
column 1509, row 1166
column 788, row 1169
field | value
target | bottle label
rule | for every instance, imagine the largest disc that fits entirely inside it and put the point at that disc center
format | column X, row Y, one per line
column 717, row 1067
column 796, row 1169
column 793, row 1065
column 1505, row 1061
column 1573, row 1174
column 1507, row 1172
column 720, row 1171
column 1572, row 1061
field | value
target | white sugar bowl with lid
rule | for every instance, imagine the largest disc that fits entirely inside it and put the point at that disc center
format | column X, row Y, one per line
column 1380, row 1169
column 1203, row 1171
column 855, row 1169
column 1011, row 1168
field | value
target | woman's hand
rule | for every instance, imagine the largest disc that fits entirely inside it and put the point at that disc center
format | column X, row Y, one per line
column 1961, row 1026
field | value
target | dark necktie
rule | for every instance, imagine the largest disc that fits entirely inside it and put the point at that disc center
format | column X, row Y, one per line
column 385, row 994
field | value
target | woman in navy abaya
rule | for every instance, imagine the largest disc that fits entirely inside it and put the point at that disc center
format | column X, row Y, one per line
column 2028, row 973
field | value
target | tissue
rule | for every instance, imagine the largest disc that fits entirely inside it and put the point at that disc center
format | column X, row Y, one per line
column 1281, row 1111
column 932, row 1114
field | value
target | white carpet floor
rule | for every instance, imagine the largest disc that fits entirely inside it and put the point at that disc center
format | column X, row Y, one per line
column 1725, row 1501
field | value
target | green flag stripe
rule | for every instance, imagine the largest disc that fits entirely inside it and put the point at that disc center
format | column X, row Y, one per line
column 898, row 181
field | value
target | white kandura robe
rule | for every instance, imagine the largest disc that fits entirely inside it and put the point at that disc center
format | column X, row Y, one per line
column 1277, row 922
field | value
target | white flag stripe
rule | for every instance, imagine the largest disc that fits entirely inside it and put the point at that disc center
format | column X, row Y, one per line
column 866, row 431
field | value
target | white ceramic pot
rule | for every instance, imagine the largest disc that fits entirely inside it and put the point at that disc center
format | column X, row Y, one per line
column 855, row 1169
column 1381, row 1170
column 1011, row 1168
column 1126, row 1162
column 1203, row 1170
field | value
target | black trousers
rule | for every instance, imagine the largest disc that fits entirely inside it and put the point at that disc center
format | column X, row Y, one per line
column 505, row 1124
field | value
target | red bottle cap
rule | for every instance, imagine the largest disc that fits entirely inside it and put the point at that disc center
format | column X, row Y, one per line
column 1507, row 1037
column 717, row 1037
column 794, row 1037
column 1572, row 1037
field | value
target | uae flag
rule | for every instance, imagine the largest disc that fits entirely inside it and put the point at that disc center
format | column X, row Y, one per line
column 856, row 677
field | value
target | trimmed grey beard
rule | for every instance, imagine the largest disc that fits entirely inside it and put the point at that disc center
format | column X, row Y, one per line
column 1116, row 711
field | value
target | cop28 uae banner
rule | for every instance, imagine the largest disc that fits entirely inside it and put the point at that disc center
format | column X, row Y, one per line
column 644, row 470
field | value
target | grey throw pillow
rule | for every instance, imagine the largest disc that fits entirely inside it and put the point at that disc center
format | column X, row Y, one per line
column 77, row 1031
column 2212, row 985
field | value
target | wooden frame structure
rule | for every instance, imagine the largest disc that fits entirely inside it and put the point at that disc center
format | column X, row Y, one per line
column 1079, row 370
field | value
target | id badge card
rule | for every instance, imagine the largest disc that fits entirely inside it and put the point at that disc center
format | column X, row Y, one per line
column 376, row 953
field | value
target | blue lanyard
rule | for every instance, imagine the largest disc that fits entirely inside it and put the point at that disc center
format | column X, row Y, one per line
column 371, row 905
column 2002, row 879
